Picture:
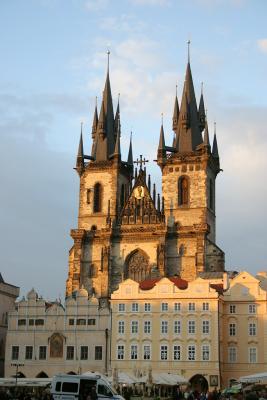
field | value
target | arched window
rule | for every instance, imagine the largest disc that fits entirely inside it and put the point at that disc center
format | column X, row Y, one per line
column 183, row 191
column 97, row 197
column 211, row 195
column 137, row 266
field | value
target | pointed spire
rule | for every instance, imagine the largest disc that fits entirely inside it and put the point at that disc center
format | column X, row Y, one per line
column 130, row 153
column 117, row 117
column 215, row 151
column 206, row 140
column 101, row 127
column 80, row 154
column 201, row 111
column 109, row 114
column 95, row 121
column 188, row 135
column 175, row 113
column 161, row 146
column 117, row 150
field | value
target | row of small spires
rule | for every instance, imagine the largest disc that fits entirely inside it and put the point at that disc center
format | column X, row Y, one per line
column 188, row 123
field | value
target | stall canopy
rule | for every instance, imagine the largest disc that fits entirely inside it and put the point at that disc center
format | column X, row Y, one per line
column 30, row 382
column 261, row 377
column 165, row 378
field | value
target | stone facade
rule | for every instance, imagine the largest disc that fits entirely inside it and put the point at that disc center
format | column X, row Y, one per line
column 120, row 213
column 8, row 295
column 46, row 338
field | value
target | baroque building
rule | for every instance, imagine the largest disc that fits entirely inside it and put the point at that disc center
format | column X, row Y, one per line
column 128, row 230
column 147, row 291
column 8, row 296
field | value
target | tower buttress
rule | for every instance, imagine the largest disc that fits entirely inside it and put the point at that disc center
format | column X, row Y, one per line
column 188, row 187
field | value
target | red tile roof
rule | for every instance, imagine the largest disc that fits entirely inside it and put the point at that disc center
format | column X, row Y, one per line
column 150, row 283
column 218, row 287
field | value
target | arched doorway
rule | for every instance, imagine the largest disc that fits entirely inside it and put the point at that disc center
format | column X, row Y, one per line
column 137, row 266
column 71, row 373
column 199, row 383
column 42, row 374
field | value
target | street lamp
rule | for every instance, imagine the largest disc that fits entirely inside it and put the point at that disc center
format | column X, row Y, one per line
column 17, row 365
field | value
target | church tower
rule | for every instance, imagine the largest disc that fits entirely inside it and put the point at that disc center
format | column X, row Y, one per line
column 104, row 182
column 189, row 170
column 126, row 229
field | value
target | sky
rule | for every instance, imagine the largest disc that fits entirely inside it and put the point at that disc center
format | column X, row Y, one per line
column 53, row 65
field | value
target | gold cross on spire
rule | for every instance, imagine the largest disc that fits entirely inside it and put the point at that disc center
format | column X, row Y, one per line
column 108, row 53
column 141, row 161
column 188, row 50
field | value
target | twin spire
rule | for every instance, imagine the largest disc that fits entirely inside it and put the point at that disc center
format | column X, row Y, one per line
column 188, row 122
column 106, row 131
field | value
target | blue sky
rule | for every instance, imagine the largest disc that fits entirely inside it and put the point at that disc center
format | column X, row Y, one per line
column 53, row 65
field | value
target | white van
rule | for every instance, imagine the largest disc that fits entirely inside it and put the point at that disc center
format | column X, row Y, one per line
column 77, row 387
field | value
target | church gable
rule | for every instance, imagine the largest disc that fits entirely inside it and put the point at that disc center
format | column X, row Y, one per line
column 140, row 207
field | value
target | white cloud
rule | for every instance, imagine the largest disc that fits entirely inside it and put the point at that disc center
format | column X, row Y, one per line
column 262, row 45
column 125, row 23
column 138, row 73
column 151, row 2
column 96, row 5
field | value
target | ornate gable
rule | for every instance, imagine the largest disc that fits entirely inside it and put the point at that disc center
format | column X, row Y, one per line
column 140, row 207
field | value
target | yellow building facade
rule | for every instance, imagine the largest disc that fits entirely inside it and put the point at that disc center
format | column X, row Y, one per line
column 215, row 329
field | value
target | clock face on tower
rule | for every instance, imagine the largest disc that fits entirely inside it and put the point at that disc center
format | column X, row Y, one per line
column 139, row 192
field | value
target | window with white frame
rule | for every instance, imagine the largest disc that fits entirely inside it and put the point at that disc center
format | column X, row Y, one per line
column 232, row 354
column 15, row 353
column 134, row 354
column 252, row 308
column 191, row 307
column 164, row 307
column 177, row 352
column 134, row 326
column 205, row 327
column 232, row 308
column 84, row 353
column 121, row 307
column 147, row 352
column 70, row 353
column 252, row 355
column 177, row 327
column 28, row 352
column 147, row 307
column 42, row 353
column 147, row 326
column 164, row 326
column 232, row 329
column 191, row 352
column 164, row 352
column 135, row 307
column 120, row 352
column 191, row 327
column 252, row 329
column 205, row 306
column 205, row 352
column 177, row 306
column 121, row 327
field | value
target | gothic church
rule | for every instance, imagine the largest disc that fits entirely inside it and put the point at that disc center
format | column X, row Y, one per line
column 126, row 229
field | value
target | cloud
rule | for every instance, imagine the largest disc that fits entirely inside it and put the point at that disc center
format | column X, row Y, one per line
column 151, row 2
column 122, row 23
column 96, row 5
column 262, row 45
